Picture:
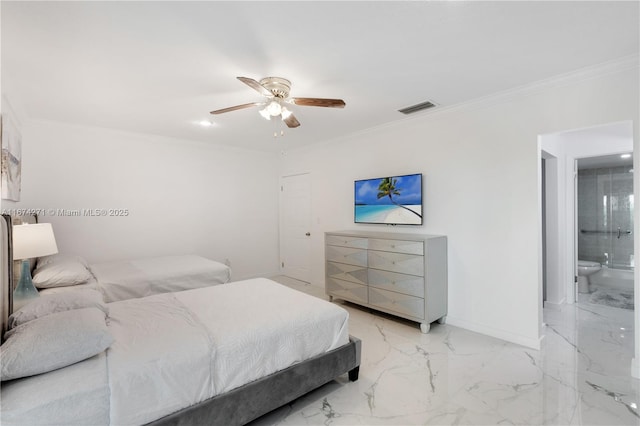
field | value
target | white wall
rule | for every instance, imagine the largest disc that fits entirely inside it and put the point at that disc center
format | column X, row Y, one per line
column 183, row 197
column 481, row 174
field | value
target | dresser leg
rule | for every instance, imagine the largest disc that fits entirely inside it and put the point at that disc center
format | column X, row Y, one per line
column 330, row 298
column 442, row 320
column 425, row 327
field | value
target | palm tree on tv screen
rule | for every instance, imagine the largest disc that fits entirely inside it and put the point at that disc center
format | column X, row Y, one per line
column 387, row 188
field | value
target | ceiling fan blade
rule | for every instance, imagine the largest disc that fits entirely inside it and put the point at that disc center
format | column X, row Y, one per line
column 291, row 121
column 235, row 108
column 256, row 86
column 319, row 102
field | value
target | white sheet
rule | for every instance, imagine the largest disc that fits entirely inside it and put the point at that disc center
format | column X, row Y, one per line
column 145, row 277
column 211, row 340
column 160, row 361
column 259, row 327
column 173, row 350
column 74, row 395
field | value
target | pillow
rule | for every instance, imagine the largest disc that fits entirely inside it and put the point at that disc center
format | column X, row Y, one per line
column 52, row 303
column 60, row 270
column 53, row 342
column 61, row 257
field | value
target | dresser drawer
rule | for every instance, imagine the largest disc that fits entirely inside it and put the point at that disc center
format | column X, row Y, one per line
column 352, row 273
column 346, row 255
column 396, row 262
column 347, row 290
column 400, row 283
column 396, row 302
column 397, row 246
column 345, row 241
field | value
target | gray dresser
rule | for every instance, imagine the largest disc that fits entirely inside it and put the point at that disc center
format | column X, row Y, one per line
column 401, row 274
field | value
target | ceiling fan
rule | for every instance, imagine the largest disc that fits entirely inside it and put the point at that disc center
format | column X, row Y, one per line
column 276, row 90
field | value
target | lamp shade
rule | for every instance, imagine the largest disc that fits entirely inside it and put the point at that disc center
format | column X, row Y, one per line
column 33, row 240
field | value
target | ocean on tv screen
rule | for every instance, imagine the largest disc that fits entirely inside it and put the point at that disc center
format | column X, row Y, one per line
column 388, row 214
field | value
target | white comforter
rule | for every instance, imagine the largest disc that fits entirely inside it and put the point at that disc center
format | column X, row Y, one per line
column 176, row 349
column 145, row 277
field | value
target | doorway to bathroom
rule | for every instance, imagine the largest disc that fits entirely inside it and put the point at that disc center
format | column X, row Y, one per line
column 561, row 155
column 605, row 247
column 586, row 192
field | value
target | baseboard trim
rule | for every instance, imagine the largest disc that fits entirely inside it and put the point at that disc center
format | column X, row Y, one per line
column 493, row 332
column 553, row 306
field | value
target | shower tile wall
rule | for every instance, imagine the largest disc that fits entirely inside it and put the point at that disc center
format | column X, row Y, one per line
column 605, row 202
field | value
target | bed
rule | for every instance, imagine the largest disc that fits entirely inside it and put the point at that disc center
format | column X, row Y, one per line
column 126, row 279
column 253, row 346
column 130, row 278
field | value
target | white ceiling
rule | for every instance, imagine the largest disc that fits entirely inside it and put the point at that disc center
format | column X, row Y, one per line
column 160, row 67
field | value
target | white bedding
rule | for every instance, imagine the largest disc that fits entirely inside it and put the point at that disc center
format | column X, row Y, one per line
column 145, row 277
column 74, row 395
column 91, row 284
column 173, row 350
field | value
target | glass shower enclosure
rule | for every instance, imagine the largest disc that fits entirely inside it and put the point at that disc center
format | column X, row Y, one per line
column 605, row 215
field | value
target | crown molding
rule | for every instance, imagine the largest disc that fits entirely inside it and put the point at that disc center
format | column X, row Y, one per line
column 587, row 73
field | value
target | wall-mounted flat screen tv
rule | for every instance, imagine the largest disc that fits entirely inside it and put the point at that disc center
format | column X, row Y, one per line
column 394, row 200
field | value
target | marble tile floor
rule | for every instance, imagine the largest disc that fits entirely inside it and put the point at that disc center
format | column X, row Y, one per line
column 615, row 297
column 452, row 376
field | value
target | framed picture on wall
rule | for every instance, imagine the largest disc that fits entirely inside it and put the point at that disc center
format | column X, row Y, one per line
column 11, row 159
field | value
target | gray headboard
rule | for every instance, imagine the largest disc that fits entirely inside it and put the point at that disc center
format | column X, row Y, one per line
column 6, row 278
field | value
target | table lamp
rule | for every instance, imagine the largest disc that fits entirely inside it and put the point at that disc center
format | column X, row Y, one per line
column 29, row 241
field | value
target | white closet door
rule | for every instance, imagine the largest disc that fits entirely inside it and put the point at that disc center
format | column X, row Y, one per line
column 295, row 226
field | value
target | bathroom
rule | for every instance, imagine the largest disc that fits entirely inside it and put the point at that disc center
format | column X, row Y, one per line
column 605, row 230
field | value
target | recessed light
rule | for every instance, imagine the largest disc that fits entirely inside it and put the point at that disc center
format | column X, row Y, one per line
column 625, row 156
column 205, row 123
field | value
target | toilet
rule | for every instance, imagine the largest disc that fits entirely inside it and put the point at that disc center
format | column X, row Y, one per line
column 586, row 268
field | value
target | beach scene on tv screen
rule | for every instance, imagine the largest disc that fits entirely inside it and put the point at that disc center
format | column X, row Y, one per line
column 389, row 200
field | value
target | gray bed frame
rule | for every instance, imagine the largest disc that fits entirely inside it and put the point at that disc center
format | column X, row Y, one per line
column 243, row 404
column 248, row 402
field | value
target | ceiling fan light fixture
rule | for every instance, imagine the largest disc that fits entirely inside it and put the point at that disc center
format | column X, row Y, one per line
column 285, row 113
column 274, row 108
column 265, row 113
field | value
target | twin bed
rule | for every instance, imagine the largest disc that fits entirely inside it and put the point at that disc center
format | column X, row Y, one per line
column 221, row 354
column 129, row 279
column 125, row 279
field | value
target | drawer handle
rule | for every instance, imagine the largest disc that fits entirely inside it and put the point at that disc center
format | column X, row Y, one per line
column 393, row 246
column 393, row 263
column 393, row 283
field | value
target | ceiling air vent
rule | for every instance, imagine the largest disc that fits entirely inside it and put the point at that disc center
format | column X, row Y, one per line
column 417, row 107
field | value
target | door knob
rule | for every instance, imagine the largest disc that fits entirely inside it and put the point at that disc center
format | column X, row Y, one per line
column 308, row 234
